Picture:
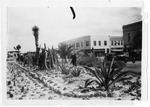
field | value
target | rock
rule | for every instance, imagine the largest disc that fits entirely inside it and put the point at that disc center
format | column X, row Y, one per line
column 8, row 83
column 133, row 93
column 85, row 90
column 22, row 89
column 49, row 98
column 11, row 95
column 118, row 99
column 20, row 98
column 64, row 88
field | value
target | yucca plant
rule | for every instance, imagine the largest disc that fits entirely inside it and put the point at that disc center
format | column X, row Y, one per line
column 76, row 72
column 107, row 75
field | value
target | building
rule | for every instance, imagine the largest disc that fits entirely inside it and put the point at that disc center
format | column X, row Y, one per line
column 132, row 36
column 100, row 44
column 12, row 55
column 116, row 43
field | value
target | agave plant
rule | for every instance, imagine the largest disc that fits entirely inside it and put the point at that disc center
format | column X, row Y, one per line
column 64, row 69
column 107, row 75
column 76, row 72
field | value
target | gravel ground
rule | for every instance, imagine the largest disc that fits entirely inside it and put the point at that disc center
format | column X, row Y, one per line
column 52, row 85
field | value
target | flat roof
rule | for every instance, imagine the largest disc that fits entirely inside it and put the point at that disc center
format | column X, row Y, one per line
column 105, row 36
column 131, row 24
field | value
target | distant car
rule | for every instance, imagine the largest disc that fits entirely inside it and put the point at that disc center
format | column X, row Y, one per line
column 125, row 57
column 120, row 57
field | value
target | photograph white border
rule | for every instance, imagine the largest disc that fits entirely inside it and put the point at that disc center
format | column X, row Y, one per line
column 68, row 3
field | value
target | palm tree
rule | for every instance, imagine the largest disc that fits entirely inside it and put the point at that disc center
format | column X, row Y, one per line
column 18, row 47
column 64, row 51
column 35, row 30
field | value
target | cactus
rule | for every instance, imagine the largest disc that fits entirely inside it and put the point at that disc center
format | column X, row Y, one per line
column 42, row 59
column 35, row 30
column 52, row 58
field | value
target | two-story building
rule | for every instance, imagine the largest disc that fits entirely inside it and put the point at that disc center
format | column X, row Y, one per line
column 116, row 43
column 100, row 44
column 132, row 36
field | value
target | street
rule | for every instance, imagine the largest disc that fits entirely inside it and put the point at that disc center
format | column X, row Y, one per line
column 133, row 66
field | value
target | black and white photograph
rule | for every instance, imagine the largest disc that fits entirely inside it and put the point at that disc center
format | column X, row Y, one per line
column 74, row 53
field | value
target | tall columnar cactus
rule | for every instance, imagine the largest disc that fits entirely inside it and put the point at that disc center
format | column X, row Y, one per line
column 48, row 58
column 35, row 30
column 55, row 57
column 52, row 58
column 42, row 59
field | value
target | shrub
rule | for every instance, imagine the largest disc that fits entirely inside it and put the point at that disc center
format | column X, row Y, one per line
column 76, row 72
column 107, row 75
column 116, row 64
column 87, row 60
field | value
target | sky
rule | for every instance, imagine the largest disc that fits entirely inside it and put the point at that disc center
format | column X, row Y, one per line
column 56, row 24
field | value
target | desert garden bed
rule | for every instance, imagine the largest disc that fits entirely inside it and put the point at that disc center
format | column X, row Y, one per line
column 55, row 85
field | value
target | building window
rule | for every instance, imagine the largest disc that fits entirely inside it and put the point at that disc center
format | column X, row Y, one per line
column 118, row 42
column 105, row 43
column 73, row 45
column 121, row 42
column 112, row 42
column 115, row 42
column 81, row 44
column 94, row 42
column 77, row 44
column 87, row 43
column 99, row 42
